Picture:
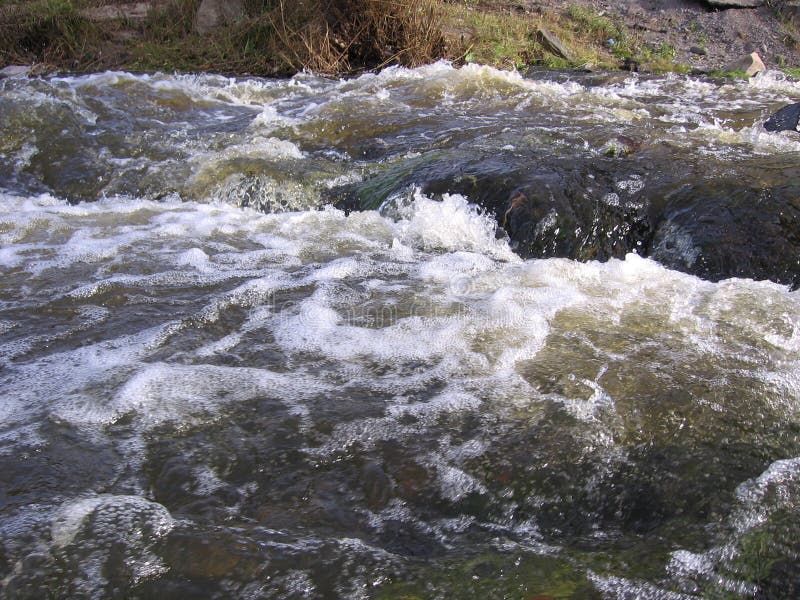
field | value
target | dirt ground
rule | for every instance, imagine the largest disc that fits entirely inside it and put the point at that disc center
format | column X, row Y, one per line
column 707, row 39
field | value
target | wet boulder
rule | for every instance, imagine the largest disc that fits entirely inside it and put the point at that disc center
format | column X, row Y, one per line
column 580, row 213
column 715, row 229
column 786, row 119
column 549, row 206
column 619, row 203
column 721, row 229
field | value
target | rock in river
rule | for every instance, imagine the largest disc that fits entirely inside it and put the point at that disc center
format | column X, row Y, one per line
column 715, row 227
column 786, row 119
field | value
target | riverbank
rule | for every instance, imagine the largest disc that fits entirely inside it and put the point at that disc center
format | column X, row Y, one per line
column 344, row 37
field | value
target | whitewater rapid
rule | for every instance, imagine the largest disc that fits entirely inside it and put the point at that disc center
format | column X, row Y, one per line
column 214, row 383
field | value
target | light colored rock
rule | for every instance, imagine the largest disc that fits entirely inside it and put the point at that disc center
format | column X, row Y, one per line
column 136, row 11
column 213, row 13
column 16, row 71
column 553, row 45
column 750, row 64
column 735, row 3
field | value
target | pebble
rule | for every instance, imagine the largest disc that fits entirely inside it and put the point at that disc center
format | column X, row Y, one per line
column 16, row 71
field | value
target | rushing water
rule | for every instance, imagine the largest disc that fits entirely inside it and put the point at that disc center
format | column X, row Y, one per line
column 213, row 383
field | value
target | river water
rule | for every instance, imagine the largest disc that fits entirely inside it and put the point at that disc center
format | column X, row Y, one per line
column 216, row 383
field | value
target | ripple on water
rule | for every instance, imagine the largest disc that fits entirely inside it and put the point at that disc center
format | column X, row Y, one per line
column 201, row 399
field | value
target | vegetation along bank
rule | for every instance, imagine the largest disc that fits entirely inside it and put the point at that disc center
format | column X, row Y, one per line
column 345, row 37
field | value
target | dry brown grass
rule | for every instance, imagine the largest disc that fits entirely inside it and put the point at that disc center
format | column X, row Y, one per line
column 274, row 37
column 282, row 37
column 49, row 31
column 346, row 36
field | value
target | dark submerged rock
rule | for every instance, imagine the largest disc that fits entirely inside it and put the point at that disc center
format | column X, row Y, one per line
column 726, row 229
column 786, row 119
column 605, row 207
column 376, row 485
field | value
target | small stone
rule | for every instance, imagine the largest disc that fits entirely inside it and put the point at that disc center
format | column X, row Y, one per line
column 631, row 65
column 136, row 11
column 213, row 13
column 750, row 64
column 735, row 3
column 553, row 45
column 699, row 50
column 16, row 71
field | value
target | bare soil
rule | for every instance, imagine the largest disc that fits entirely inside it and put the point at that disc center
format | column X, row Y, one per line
column 705, row 38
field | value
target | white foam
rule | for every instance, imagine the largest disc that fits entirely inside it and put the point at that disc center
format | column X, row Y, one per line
column 13, row 256
column 262, row 148
column 619, row 588
column 70, row 519
column 759, row 498
column 455, row 484
column 451, row 224
column 779, row 482
column 57, row 385
column 318, row 328
column 589, row 409
column 130, row 524
column 181, row 394
column 685, row 563
column 427, row 412
column 194, row 257
column 206, row 481
column 299, row 583
column 776, row 81
column 269, row 119
column 456, row 269
column 341, row 269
